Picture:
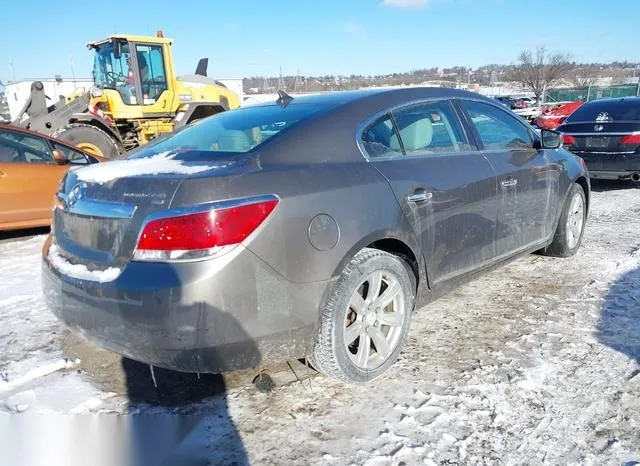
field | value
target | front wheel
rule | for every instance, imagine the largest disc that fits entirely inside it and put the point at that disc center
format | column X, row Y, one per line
column 366, row 318
column 570, row 229
column 90, row 139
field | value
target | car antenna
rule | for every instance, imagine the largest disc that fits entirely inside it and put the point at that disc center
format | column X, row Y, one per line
column 284, row 99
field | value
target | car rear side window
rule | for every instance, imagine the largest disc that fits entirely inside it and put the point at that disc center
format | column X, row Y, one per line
column 23, row 148
column 497, row 129
column 376, row 139
column 237, row 131
column 431, row 127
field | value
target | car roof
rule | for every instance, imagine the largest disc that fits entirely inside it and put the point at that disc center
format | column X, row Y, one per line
column 329, row 99
column 337, row 98
column 16, row 129
column 615, row 100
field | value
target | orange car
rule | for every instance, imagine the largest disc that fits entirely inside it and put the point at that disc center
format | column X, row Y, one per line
column 31, row 167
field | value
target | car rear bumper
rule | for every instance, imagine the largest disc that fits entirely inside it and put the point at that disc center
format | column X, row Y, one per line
column 612, row 165
column 223, row 314
column 614, row 175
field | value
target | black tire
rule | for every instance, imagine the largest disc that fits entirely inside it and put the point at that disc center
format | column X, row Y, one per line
column 562, row 244
column 79, row 134
column 331, row 355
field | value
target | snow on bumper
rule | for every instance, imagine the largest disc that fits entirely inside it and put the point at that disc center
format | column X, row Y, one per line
column 192, row 317
column 79, row 271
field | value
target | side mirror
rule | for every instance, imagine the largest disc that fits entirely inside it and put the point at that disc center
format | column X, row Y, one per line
column 117, row 49
column 59, row 157
column 550, row 139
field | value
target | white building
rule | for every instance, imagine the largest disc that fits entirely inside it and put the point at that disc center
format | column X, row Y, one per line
column 234, row 85
column 18, row 92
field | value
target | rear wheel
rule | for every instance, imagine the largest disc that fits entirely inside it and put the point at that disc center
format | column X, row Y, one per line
column 90, row 139
column 570, row 229
column 366, row 318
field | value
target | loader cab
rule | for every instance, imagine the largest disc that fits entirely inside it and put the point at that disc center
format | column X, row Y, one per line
column 139, row 70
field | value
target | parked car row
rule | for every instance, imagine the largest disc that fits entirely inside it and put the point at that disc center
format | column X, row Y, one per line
column 514, row 103
column 49, row 158
column 308, row 227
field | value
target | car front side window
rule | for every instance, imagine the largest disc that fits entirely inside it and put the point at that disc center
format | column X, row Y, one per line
column 497, row 129
column 73, row 156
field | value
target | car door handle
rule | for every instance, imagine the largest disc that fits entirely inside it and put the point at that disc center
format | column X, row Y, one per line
column 419, row 197
column 508, row 183
column 2, row 174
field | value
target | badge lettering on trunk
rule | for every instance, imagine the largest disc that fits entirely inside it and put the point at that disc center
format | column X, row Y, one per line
column 598, row 128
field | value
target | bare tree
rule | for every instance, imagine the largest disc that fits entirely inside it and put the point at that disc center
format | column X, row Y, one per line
column 583, row 79
column 541, row 70
column 585, row 76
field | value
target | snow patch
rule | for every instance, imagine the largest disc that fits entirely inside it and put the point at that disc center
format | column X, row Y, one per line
column 32, row 375
column 162, row 163
column 79, row 271
column 20, row 402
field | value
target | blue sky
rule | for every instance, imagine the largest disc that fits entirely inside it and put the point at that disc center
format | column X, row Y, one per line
column 245, row 38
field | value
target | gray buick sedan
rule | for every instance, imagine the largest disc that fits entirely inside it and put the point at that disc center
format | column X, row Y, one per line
column 309, row 227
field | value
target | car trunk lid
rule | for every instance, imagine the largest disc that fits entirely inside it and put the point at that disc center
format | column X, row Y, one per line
column 100, row 212
column 602, row 137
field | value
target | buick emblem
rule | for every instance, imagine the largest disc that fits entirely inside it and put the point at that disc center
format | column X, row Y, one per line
column 598, row 128
column 76, row 193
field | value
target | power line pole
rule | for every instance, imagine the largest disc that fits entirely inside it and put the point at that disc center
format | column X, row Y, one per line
column 13, row 72
column 281, row 81
column 73, row 74
column 295, row 82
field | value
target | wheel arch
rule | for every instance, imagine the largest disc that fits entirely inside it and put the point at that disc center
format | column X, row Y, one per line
column 393, row 243
column 100, row 123
column 199, row 110
column 584, row 183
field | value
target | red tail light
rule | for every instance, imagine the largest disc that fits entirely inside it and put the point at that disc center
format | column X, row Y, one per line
column 568, row 140
column 633, row 138
column 201, row 234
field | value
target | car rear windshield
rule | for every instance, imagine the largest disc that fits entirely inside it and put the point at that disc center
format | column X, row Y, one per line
column 234, row 131
column 607, row 112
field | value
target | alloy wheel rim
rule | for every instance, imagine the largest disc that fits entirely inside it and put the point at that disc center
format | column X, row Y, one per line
column 575, row 220
column 374, row 320
column 90, row 148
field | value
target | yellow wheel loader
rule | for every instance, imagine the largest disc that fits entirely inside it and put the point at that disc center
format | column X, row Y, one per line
column 136, row 97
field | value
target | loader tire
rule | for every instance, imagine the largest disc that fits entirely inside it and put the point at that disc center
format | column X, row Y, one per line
column 90, row 139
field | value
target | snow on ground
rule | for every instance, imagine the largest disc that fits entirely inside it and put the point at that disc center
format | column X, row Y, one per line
column 535, row 363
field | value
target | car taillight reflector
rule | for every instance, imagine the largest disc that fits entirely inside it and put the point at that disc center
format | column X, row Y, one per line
column 633, row 138
column 201, row 234
column 568, row 140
